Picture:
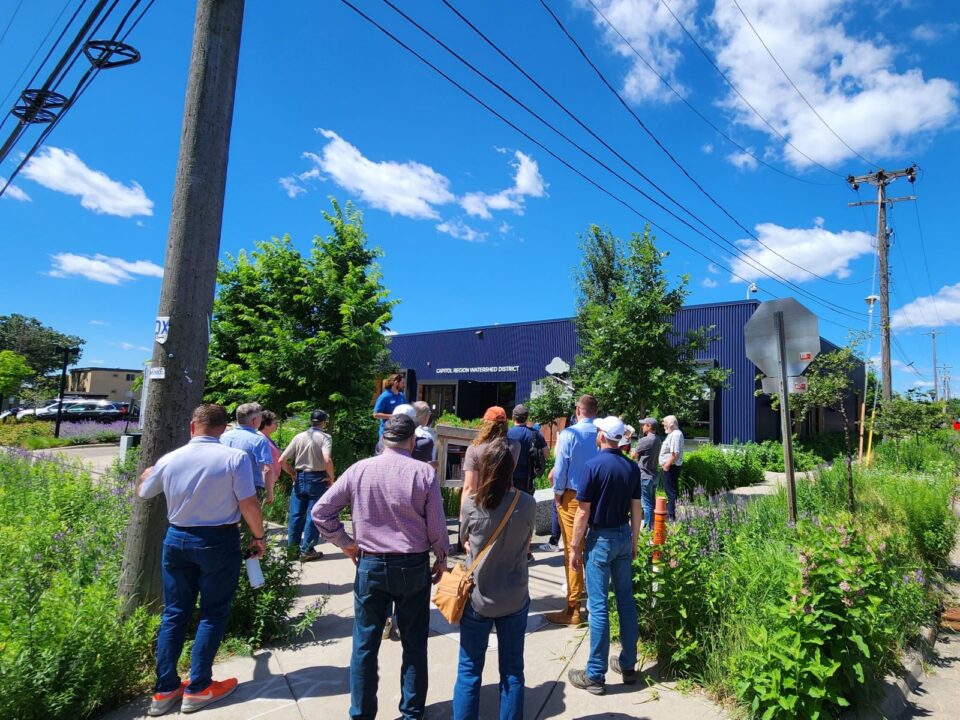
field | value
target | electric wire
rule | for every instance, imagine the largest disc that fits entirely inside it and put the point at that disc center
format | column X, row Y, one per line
column 752, row 262
column 543, row 147
column 733, row 87
column 695, row 110
column 664, row 149
column 799, row 92
column 926, row 264
column 3, row 35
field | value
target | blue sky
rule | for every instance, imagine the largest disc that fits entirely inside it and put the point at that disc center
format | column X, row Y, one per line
column 478, row 223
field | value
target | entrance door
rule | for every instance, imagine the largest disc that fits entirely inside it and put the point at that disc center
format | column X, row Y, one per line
column 440, row 398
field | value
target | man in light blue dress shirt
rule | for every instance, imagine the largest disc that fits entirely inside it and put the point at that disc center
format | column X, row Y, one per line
column 245, row 436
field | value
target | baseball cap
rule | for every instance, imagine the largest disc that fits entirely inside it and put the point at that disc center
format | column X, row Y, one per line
column 649, row 421
column 399, row 428
column 318, row 416
column 495, row 414
column 611, row 426
column 405, row 409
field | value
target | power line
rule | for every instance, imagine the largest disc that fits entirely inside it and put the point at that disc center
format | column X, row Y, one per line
column 539, row 144
column 926, row 265
column 664, row 149
column 753, row 263
column 3, row 35
column 799, row 92
column 693, row 108
column 733, row 87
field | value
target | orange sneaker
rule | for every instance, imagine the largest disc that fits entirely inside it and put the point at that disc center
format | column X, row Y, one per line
column 217, row 690
column 163, row 702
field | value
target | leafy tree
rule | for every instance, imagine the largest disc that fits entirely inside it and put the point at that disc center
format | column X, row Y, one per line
column 631, row 358
column 555, row 400
column 36, row 342
column 830, row 384
column 912, row 415
column 296, row 332
column 13, row 371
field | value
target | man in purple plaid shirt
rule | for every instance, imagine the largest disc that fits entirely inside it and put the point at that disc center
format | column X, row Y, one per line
column 398, row 518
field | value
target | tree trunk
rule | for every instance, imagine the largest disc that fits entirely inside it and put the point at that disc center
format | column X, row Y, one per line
column 189, row 280
column 849, row 453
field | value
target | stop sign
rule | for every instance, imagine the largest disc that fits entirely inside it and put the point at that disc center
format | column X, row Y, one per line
column 801, row 331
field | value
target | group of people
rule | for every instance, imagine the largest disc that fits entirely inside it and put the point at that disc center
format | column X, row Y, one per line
column 399, row 542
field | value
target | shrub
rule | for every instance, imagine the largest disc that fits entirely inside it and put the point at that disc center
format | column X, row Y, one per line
column 714, row 469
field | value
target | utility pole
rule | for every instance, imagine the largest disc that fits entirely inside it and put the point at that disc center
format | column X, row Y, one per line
column 933, row 336
column 946, row 382
column 881, row 179
column 179, row 362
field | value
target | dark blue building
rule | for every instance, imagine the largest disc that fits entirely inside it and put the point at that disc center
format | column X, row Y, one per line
column 467, row 370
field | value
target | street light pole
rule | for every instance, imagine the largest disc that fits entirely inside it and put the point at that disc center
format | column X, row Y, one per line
column 67, row 352
column 871, row 301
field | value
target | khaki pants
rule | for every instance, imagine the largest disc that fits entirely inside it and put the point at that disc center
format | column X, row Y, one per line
column 566, row 512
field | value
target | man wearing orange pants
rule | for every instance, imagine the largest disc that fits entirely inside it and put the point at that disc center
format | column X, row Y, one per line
column 575, row 445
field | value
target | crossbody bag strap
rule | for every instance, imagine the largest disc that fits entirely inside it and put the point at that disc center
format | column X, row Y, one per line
column 496, row 533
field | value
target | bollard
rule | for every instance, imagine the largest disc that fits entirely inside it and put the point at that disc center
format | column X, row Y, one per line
column 659, row 526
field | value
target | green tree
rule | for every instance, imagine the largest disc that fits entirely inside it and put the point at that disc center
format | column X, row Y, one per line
column 905, row 416
column 631, row 358
column 13, row 371
column 830, row 384
column 555, row 400
column 295, row 332
column 36, row 342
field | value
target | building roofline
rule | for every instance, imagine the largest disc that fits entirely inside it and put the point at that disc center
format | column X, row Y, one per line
column 109, row 369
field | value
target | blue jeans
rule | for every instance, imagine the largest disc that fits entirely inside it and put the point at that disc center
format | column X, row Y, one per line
column 671, row 486
column 609, row 557
column 307, row 489
column 648, row 493
column 204, row 561
column 474, row 634
column 404, row 582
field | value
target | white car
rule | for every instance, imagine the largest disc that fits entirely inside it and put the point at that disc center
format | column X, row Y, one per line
column 45, row 412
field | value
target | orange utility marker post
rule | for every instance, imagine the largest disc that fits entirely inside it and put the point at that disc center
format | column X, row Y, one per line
column 659, row 527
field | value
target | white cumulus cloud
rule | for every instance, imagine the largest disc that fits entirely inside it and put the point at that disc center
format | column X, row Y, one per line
column 132, row 346
column 460, row 230
column 101, row 268
column 852, row 81
column 63, row 171
column 709, row 282
column 527, row 182
column 13, row 192
column 814, row 250
column 937, row 310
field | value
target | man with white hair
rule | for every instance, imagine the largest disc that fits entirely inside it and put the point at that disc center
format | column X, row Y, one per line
column 246, row 436
column 671, row 458
column 426, row 447
column 608, row 518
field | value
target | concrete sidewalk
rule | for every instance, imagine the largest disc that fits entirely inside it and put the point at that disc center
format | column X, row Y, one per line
column 310, row 679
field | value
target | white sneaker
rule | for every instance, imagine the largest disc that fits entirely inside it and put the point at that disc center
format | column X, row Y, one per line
column 548, row 547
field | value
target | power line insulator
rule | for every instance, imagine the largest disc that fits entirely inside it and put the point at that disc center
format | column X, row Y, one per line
column 107, row 54
column 39, row 106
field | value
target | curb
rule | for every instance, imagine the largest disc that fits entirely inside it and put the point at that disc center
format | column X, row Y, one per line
column 897, row 690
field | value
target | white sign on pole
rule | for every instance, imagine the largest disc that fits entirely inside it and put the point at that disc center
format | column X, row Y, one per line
column 161, row 329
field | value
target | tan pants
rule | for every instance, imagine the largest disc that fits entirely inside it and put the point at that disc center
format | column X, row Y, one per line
column 566, row 513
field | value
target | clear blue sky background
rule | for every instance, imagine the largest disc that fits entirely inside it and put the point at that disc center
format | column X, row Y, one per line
column 478, row 224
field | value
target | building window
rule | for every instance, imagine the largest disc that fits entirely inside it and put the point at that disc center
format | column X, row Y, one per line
column 131, row 377
column 116, row 375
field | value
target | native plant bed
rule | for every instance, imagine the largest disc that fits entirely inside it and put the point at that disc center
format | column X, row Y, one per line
column 39, row 435
column 801, row 621
column 66, row 651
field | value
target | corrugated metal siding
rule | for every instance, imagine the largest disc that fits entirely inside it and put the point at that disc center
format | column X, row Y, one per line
column 531, row 346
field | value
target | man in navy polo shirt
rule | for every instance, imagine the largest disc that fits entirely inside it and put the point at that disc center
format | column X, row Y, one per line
column 608, row 516
column 391, row 396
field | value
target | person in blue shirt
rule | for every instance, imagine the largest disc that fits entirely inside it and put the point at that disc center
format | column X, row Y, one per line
column 391, row 396
column 246, row 436
column 575, row 446
column 608, row 520
column 523, row 477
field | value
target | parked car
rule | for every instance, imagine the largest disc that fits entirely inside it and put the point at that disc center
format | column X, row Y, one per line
column 45, row 412
column 98, row 410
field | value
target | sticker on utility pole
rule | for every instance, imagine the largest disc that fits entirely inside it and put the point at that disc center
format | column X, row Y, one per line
column 161, row 330
column 156, row 373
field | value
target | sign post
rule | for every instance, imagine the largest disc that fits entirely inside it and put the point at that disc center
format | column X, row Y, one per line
column 782, row 338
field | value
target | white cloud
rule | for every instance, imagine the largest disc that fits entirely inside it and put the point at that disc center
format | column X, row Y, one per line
column 410, row 189
column 291, row 186
column 504, row 228
column 852, row 82
column 937, row 310
column 707, row 148
column 63, row 171
column 101, row 268
column 98, row 322
column 390, row 333
column 460, row 230
column 742, row 160
column 923, row 383
column 933, row 32
column 527, row 182
column 13, row 192
column 96, row 362
column 132, row 346
column 650, row 28
column 709, row 282
column 713, row 269
column 815, row 249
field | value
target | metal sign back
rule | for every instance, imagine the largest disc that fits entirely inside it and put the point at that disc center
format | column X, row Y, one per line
column 771, row 385
column 801, row 337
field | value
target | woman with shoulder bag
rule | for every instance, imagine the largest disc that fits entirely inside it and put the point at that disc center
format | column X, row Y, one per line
column 500, row 594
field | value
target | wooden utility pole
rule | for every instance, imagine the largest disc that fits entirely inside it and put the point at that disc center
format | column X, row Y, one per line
column 881, row 179
column 189, row 278
column 933, row 336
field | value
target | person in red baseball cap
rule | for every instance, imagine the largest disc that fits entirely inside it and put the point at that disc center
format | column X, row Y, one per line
column 494, row 428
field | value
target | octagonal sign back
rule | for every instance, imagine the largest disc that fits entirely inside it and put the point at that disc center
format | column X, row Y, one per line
column 801, row 337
